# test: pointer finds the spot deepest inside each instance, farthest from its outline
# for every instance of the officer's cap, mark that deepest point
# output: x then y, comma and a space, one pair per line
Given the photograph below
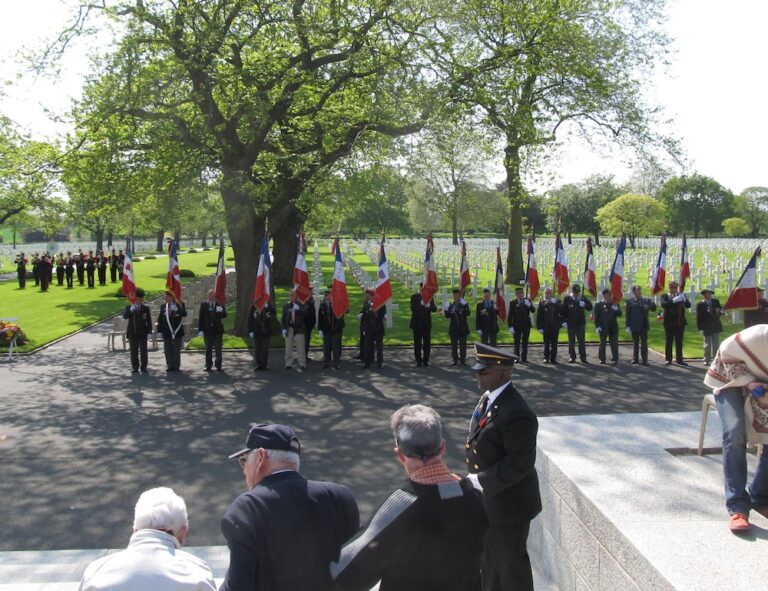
277, 437
487, 356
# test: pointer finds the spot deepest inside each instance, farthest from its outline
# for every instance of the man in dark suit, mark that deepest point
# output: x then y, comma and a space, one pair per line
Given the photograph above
501, 453
674, 305
69, 270
519, 321
260, 330
80, 267
487, 319
331, 331
170, 325
293, 328
21, 270
284, 532
421, 325
457, 313
139, 328
429, 533
575, 308
549, 320
637, 309
708, 312
211, 328
113, 266
606, 314
373, 325
90, 269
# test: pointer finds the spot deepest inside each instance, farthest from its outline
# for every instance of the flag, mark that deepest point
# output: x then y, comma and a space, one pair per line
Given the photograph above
745, 295
685, 268
430, 274
220, 284
173, 279
262, 292
590, 280
382, 291
498, 288
129, 285
464, 277
531, 274
617, 271
300, 274
660, 270
339, 286
560, 272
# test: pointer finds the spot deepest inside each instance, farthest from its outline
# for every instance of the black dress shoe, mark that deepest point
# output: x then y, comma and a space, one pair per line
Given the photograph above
634, 362
667, 363
585, 362
419, 364
425, 364
572, 360
682, 363
206, 369
325, 366
455, 363
219, 369
645, 363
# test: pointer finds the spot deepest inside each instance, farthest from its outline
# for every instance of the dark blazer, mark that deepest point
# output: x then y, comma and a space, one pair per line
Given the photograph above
708, 316
425, 537
284, 533
372, 321
260, 322
501, 449
485, 319
574, 314
550, 315
327, 321
139, 322
674, 313
210, 321
637, 313
176, 321
606, 317
421, 316
457, 313
298, 325
310, 319
519, 316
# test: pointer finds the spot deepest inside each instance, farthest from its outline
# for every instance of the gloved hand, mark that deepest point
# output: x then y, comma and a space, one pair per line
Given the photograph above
629, 330
200, 333
541, 330
582, 303
219, 309
599, 330
527, 302
250, 334
360, 316
320, 332
285, 334
615, 307
678, 298
475, 481
701, 332
564, 325
479, 332
511, 330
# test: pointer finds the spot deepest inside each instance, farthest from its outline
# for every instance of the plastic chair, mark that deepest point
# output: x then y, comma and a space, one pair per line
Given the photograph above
709, 402
119, 326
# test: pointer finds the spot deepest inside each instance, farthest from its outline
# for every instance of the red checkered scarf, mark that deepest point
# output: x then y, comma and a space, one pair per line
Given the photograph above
433, 474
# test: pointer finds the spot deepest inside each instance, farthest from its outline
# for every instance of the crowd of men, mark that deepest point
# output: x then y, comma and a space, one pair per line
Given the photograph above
437, 530
87, 268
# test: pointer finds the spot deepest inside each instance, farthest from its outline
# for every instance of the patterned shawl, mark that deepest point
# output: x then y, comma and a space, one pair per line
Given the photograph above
741, 359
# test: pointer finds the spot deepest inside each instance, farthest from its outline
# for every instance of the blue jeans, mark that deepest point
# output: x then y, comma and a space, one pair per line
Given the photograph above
730, 406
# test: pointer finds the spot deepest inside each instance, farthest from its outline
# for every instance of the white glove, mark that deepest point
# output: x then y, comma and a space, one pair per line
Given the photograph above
200, 333
527, 302
219, 309
629, 330
565, 325
581, 303
599, 330
511, 330
701, 332
134, 307
285, 334
250, 334
174, 307
360, 316
553, 300
475, 481
320, 332
479, 332
678, 298
541, 330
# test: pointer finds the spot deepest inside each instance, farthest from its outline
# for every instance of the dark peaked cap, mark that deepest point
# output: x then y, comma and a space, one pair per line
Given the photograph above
487, 356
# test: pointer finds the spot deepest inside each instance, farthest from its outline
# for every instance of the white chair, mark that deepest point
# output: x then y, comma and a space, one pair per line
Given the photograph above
708, 402
119, 326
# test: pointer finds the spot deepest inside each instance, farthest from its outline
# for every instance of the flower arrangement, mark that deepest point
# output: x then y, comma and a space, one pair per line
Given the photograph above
9, 330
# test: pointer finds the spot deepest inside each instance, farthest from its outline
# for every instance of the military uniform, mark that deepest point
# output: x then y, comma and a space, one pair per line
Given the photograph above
21, 271
637, 322
80, 268
169, 323
139, 328
519, 319
575, 307
674, 325
60, 270
549, 320
69, 271
487, 322
608, 328
90, 269
210, 324
260, 329
458, 328
708, 314
333, 331
421, 325
372, 322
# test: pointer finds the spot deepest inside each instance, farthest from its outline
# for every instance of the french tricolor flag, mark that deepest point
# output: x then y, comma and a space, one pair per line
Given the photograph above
339, 286
685, 267
300, 274
531, 274
560, 272
590, 280
382, 291
464, 277
173, 279
129, 285
745, 295
430, 274
262, 291
660, 270
220, 284
617, 271
498, 288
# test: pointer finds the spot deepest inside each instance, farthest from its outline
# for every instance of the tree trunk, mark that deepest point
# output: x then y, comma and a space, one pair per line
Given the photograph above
515, 272
285, 222
632, 241
204, 242
160, 235
109, 239
99, 240
455, 219
177, 236
597, 238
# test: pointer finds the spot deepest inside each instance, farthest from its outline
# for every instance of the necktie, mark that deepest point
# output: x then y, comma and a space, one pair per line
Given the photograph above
479, 411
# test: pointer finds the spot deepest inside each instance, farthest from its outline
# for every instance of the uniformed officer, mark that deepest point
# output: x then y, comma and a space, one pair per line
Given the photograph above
421, 324
637, 323
139, 328
211, 328
708, 312
606, 314
549, 320
519, 320
457, 313
575, 307
501, 456
373, 327
674, 305
21, 270
487, 319
331, 331
260, 330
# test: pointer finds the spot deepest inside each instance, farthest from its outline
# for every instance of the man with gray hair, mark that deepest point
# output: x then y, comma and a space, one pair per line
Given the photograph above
428, 535
153, 559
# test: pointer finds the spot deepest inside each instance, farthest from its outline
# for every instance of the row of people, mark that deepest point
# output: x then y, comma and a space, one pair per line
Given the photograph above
87, 267
437, 530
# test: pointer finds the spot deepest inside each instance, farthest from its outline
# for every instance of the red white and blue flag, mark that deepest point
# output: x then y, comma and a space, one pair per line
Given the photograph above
464, 277
590, 279
340, 299
129, 284
745, 295
430, 274
220, 284
560, 272
660, 270
685, 268
382, 290
531, 274
173, 279
300, 275
498, 288
263, 290
617, 270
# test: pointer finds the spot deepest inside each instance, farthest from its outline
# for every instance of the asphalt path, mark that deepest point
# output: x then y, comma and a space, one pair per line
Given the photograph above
81, 437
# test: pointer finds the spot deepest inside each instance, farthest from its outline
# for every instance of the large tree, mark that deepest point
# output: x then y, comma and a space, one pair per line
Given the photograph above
531, 67
696, 203
633, 215
752, 205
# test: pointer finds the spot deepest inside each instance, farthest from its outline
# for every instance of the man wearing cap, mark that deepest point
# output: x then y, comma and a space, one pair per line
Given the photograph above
501, 453
607, 326
519, 321
760, 314
260, 330
549, 320
575, 307
487, 319
708, 313
139, 328
457, 313
674, 305
372, 324
637, 325
421, 324
211, 328
169, 324
429, 533
294, 329
284, 532
331, 331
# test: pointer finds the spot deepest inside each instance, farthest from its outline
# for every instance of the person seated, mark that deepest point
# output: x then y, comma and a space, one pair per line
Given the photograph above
153, 559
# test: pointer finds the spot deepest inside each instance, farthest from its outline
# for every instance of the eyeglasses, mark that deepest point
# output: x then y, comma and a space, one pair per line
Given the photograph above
243, 459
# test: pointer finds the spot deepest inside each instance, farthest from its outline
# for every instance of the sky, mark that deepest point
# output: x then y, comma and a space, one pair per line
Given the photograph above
714, 91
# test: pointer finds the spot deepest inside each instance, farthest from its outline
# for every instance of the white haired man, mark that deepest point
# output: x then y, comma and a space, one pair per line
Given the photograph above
152, 559
429, 533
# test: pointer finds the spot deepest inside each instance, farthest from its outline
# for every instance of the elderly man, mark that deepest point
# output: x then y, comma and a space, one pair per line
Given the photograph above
674, 305
606, 314
138, 330
708, 313
153, 559
211, 328
487, 319
293, 326
501, 453
429, 532
575, 308
285, 530
170, 325
637, 323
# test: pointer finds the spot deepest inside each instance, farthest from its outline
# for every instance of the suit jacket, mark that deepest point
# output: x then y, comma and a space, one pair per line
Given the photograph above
457, 313
674, 313
295, 321
421, 315
501, 450
210, 322
260, 322
574, 314
310, 319
284, 533
485, 319
550, 315
327, 321
606, 317
708, 316
139, 322
175, 329
519, 316
637, 313
372, 321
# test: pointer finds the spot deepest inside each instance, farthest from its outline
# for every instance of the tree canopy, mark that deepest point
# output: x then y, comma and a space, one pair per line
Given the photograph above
696, 203
633, 215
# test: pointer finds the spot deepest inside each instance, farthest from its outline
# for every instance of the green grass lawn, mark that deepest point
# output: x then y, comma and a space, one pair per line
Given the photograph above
47, 316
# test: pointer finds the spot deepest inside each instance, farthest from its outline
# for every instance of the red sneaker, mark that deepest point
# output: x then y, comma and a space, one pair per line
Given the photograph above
740, 523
